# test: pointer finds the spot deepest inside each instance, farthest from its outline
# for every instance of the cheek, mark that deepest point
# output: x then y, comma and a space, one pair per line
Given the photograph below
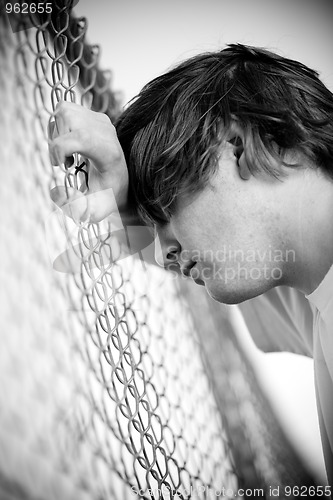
236, 280
218, 222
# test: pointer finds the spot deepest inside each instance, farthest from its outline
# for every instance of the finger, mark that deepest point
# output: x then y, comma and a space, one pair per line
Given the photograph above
64, 146
72, 202
61, 117
69, 116
58, 126
77, 141
53, 134
51, 126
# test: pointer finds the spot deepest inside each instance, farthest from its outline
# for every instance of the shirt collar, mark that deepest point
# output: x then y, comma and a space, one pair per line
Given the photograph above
323, 294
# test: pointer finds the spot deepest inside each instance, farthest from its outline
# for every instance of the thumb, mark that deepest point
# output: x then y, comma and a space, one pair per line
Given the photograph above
73, 203
80, 207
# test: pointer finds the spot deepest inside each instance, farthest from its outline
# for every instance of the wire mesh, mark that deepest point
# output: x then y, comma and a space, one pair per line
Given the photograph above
105, 394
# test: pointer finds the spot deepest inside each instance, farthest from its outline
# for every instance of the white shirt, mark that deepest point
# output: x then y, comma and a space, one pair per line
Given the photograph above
283, 319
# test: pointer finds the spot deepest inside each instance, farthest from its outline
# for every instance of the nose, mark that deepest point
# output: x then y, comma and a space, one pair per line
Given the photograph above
167, 248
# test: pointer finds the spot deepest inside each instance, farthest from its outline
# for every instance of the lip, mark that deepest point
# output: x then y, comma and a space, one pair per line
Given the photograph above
196, 278
186, 270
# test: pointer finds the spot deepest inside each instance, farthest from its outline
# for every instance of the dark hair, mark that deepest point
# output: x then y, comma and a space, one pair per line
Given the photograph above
172, 131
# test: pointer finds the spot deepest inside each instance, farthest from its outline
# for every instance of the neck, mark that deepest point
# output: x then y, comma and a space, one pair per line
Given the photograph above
310, 230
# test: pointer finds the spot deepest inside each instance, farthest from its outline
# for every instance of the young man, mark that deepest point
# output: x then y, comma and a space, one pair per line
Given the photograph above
230, 156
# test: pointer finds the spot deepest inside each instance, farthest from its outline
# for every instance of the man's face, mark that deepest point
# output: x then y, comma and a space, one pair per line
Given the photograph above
230, 236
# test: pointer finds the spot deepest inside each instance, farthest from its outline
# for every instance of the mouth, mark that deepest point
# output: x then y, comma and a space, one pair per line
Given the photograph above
186, 270
194, 273
190, 271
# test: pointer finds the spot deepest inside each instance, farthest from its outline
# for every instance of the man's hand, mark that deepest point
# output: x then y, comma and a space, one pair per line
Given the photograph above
79, 130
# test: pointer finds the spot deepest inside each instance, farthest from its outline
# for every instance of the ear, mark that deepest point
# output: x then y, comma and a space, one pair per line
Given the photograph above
236, 140
243, 166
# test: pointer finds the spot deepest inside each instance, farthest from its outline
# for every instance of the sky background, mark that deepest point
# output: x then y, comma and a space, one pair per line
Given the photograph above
141, 39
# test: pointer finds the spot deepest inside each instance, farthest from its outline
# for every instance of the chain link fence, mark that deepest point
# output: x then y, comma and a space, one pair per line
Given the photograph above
107, 392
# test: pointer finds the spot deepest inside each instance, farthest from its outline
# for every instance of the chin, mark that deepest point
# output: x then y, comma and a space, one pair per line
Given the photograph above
232, 296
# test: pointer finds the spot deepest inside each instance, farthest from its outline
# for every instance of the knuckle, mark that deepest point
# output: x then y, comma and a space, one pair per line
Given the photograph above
63, 109
100, 117
119, 154
106, 119
61, 105
112, 127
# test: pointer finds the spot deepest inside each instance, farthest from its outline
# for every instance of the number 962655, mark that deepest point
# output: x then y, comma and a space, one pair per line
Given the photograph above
29, 8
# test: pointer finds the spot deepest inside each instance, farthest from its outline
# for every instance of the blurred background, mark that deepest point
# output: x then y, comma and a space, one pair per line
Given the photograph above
140, 39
